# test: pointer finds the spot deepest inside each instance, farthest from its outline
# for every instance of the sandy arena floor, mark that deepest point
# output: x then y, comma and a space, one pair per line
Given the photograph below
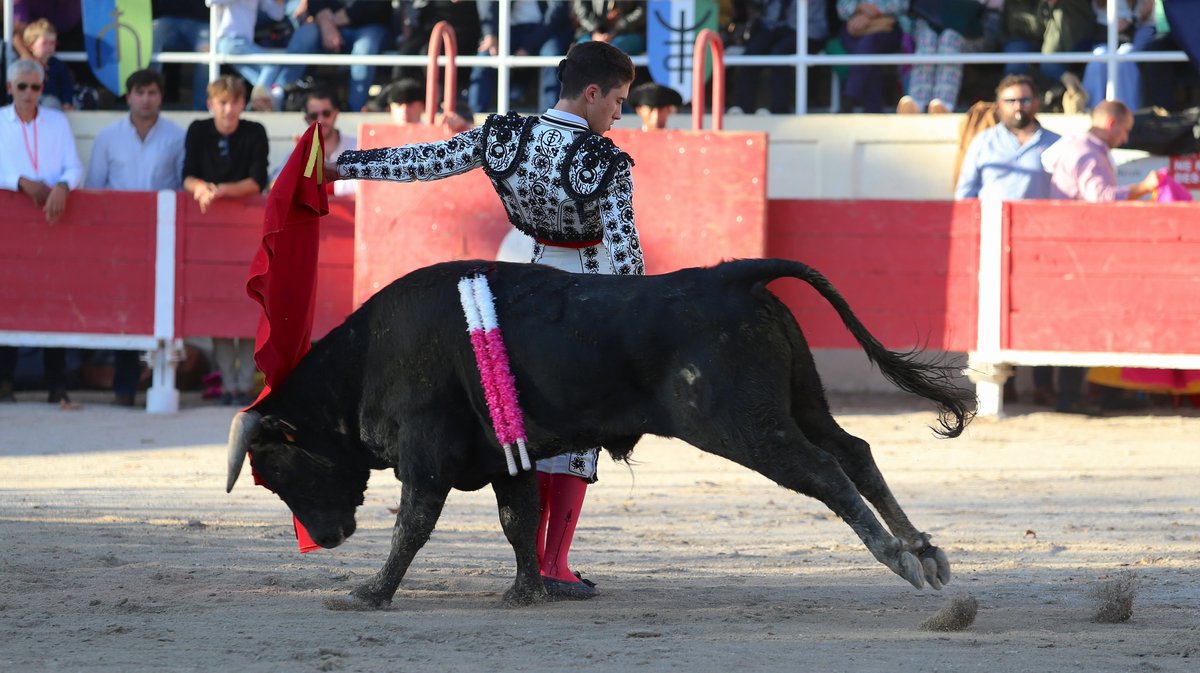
121, 552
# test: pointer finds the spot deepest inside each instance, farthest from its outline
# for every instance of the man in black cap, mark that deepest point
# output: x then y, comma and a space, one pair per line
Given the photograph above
654, 104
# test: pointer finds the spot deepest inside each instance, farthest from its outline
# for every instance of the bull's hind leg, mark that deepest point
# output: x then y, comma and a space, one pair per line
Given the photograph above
517, 499
854, 457
420, 507
789, 459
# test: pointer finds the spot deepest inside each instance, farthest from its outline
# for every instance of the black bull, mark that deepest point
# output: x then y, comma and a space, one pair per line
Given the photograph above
706, 355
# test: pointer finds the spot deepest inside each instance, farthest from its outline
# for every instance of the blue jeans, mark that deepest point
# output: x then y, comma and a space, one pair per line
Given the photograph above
177, 33
255, 73
481, 95
363, 41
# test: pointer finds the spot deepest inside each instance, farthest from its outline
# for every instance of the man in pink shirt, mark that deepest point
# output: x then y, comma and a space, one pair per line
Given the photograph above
1081, 168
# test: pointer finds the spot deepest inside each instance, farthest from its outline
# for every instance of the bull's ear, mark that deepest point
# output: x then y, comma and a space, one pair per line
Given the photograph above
281, 426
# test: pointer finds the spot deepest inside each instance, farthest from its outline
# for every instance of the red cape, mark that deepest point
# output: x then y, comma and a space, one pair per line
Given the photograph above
283, 275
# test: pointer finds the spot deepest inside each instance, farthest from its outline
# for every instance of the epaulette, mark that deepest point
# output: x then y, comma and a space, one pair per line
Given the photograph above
591, 161
503, 139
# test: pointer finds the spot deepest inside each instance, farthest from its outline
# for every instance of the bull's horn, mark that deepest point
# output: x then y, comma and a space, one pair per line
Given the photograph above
244, 425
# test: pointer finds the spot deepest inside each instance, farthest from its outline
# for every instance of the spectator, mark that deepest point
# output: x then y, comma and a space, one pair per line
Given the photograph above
1004, 162
621, 23
934, 88
1081, 169
358, 27
235, 35
321, 106
870, 28
42, 40
226, 157
1162, 79
1135, 31
40, 161
539, 28
66, 17
405, 101
182, 25
654, 104
773, 32
140, 152
417, 19
1050, 26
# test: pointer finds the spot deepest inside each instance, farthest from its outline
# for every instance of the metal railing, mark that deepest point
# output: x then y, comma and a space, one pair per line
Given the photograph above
504, 61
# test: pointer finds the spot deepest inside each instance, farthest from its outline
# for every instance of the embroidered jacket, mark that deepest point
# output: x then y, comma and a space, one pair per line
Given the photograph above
558, 181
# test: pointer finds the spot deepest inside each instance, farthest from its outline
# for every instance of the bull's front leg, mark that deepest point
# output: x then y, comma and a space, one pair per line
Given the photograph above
517, 500
420, 507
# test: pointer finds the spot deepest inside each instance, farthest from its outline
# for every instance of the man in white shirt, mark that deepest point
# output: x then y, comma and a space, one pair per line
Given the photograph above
40, 161
142, 152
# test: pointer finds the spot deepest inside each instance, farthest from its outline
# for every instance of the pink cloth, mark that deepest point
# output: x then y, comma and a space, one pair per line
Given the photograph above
1082, 169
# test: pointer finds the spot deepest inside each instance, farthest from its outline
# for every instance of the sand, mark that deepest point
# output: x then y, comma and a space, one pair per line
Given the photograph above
120, 551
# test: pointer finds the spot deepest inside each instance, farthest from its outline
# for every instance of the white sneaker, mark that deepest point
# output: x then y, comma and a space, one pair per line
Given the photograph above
762, 111
735, 110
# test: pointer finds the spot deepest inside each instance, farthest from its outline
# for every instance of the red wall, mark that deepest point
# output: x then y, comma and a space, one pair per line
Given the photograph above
1103, 277
909, 269
91, 272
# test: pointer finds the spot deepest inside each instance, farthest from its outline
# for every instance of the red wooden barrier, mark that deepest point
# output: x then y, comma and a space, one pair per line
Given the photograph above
908, 268
213, 253
699, 197
92, 272
1121, 277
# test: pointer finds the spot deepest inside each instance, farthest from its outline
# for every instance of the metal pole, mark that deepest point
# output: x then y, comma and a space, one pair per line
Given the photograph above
9, 53
1110, 86
503, 51
214, 67
802, 52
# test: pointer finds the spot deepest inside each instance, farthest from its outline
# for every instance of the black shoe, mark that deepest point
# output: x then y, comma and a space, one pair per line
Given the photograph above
123, 400
58, 396
6, 392
579, 591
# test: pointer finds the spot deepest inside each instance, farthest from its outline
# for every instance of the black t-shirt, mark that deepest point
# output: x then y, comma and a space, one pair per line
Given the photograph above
212, 157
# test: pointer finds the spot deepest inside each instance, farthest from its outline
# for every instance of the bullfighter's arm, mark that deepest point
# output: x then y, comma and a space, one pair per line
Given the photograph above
620, 233
419, 161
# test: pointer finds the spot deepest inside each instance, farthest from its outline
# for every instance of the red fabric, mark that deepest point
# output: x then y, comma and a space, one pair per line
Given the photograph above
283, 274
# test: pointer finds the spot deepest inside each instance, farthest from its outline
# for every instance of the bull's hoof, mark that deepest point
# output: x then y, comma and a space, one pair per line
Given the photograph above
358, 600
908, 567
519, 596
936, 567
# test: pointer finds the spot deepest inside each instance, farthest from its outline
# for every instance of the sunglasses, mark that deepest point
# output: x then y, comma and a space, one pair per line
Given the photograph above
223, 147
323, 114
1024, 100
21, 86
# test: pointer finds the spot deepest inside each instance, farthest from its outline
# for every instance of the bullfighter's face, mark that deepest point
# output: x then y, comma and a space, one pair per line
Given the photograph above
322, 488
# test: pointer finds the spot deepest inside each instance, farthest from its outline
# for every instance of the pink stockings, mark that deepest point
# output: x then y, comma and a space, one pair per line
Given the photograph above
560, 500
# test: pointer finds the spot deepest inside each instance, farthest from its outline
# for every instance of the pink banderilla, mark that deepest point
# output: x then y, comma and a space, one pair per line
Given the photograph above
491, 357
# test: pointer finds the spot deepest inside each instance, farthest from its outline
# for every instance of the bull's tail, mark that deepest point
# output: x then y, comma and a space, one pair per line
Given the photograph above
929, 379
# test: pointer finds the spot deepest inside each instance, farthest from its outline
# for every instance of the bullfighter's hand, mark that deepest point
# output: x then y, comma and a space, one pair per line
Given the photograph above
332, 174
56, 203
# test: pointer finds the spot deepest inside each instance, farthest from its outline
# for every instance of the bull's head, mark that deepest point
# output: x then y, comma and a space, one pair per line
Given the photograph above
312, 475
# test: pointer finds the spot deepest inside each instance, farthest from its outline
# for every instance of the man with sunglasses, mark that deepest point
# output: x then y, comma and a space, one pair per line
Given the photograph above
139, 152
40, 161
1005, 161
321, 106
225, 157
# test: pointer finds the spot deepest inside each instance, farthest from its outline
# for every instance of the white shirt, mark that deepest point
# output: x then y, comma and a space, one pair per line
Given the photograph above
345, 142
122, 160
42, 150
239, 16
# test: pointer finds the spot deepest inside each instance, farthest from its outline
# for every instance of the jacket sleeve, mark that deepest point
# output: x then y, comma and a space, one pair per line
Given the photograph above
487, 17
620, 234
419, 161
